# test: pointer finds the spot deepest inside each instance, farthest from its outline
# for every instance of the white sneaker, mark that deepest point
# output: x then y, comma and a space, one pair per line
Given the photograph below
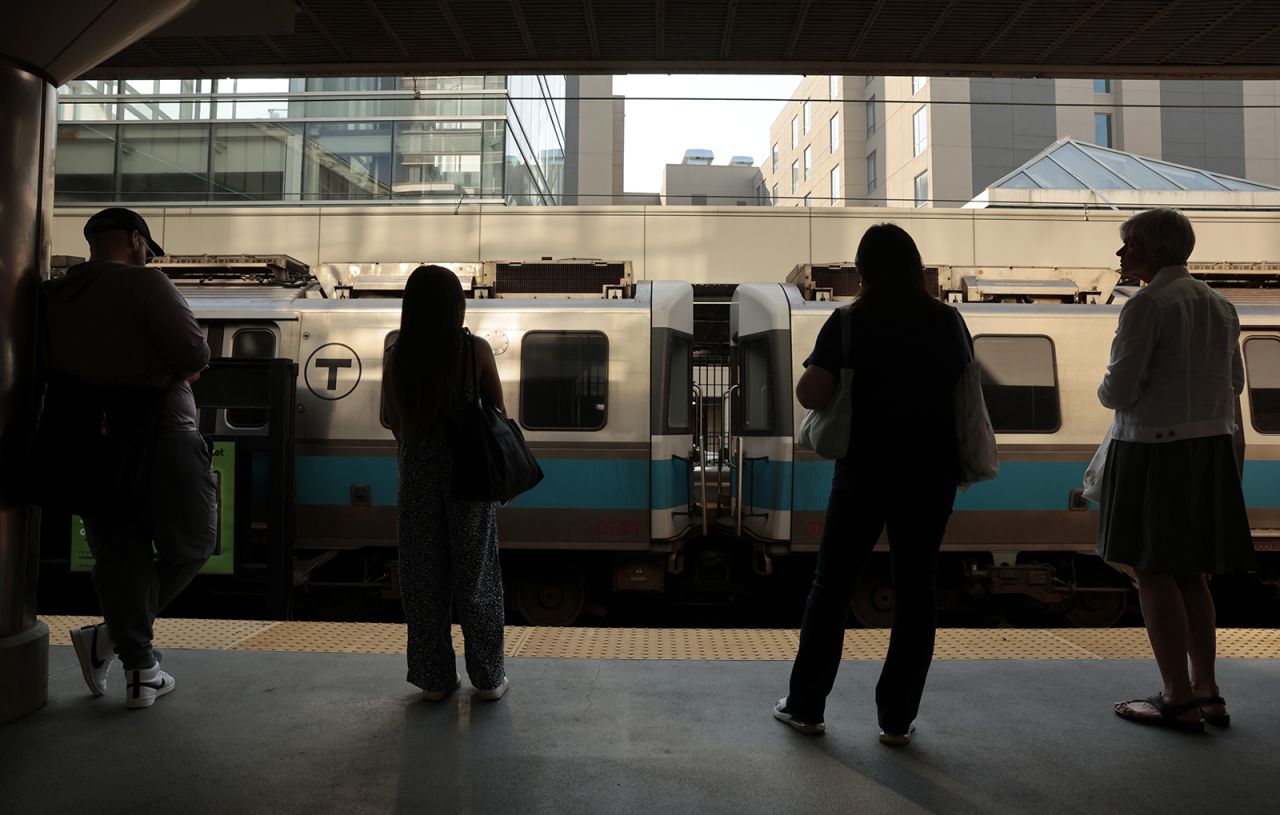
437, 695
95, 651
783, 714
146, 686
897, 739
493, 694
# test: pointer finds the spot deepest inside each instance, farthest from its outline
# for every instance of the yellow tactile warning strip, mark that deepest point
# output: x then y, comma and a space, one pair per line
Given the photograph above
676, 643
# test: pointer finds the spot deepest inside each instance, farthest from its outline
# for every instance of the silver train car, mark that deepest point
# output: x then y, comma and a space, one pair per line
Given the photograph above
659, 444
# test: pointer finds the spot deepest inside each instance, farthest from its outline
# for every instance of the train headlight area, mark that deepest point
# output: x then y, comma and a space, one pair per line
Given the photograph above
298, 717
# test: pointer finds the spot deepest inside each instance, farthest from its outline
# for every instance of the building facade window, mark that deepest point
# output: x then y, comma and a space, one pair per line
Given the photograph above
833, 88
808, 117
795, 132
806, 200
808, 162
871, 172
922, 189
870, 107
795, 177
1102, 86
312, 140
920, 131
1102, 129
774, 154
918, 82
835, 133
774, 192
867, 80
835, 186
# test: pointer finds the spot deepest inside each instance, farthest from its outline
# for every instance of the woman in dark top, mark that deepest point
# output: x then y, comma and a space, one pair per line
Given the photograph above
448, 547
907, 351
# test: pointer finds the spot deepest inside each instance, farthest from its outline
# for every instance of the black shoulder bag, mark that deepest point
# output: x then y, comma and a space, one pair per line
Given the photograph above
491, 461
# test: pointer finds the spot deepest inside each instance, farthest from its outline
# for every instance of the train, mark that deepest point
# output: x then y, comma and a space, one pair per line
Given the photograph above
664, 417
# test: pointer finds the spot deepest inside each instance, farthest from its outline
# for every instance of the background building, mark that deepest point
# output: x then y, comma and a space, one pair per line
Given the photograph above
491, 139
698, 181
921, 141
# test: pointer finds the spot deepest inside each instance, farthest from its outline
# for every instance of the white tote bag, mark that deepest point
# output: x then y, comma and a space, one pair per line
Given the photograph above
827, 431
979, 458
1097, 468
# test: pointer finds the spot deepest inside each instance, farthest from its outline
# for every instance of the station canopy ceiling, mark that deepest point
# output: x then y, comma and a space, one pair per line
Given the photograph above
1060, 38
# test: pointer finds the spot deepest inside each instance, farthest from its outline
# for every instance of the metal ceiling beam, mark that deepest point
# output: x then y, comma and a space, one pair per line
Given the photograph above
455, 29
797, 25
660, 29
1206, 29
727, 36
934, 29
866, 29
593, 36
1004, 29
324, 31
1071, 29
387, 29
1253, 43
1140, 30
517, 13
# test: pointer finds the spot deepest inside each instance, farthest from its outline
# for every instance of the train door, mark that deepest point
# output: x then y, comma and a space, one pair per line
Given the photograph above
675, 509
759, 402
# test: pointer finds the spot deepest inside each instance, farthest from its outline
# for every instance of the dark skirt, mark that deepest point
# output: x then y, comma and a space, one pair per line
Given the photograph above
1175, 508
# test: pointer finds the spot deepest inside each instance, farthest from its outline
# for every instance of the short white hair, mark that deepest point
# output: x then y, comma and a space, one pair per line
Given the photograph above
1166, 233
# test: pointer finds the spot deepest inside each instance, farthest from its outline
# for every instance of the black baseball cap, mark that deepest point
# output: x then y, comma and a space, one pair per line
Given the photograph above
119, 218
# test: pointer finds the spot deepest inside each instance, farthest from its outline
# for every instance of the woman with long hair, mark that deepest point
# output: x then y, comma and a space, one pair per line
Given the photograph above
907, 351
448, 547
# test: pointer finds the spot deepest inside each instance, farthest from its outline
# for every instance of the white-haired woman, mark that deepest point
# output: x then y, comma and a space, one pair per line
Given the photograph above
1172, 506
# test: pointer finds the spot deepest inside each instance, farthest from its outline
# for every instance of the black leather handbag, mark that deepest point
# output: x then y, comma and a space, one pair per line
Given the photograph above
491, 461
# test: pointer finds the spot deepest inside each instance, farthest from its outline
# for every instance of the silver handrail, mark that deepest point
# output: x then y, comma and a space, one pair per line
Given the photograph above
737, 509
728, 431
702, 452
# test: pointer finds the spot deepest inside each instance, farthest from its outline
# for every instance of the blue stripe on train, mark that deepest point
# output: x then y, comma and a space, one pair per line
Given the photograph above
569, 483
1029, 485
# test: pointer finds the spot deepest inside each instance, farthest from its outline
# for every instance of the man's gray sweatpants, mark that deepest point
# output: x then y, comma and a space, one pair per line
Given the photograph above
134, 582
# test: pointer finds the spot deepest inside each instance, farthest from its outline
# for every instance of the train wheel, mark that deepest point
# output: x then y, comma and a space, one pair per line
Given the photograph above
551, 596
872, 603
1096, 609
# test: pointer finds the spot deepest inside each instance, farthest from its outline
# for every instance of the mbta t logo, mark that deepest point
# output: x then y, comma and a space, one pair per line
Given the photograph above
332, 371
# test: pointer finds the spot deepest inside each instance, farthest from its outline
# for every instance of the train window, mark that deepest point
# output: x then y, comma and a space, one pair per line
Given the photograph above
1019, 382
382, 402
251, 343
679, 384
1262, 359
757, 385
564, 380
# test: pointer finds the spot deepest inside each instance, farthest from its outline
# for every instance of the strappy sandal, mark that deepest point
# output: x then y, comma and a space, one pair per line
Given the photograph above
1168, 714
1215, 719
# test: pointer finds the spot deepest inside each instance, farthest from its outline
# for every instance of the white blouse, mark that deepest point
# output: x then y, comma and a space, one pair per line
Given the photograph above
1175, 369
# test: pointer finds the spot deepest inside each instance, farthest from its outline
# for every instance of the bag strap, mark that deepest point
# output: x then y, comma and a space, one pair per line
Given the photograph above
846, 334
469, 347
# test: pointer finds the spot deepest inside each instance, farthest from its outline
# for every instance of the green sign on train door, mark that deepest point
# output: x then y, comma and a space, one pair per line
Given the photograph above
223, 560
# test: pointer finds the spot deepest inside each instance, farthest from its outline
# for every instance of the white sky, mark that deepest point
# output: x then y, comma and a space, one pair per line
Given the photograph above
659, 132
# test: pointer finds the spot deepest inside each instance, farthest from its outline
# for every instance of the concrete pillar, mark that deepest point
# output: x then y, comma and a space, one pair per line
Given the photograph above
26, 208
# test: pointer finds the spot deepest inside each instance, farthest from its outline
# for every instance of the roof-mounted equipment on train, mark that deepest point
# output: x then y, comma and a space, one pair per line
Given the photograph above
237, 270
841, 281
361, 281
573, 278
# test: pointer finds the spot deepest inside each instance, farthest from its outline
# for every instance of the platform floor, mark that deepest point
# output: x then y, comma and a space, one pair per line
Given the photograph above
281, 732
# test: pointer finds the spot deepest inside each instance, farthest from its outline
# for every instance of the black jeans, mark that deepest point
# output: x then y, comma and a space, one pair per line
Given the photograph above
915, 514
145, 556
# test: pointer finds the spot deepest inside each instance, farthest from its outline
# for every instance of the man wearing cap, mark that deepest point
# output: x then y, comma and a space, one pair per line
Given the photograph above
113, 322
